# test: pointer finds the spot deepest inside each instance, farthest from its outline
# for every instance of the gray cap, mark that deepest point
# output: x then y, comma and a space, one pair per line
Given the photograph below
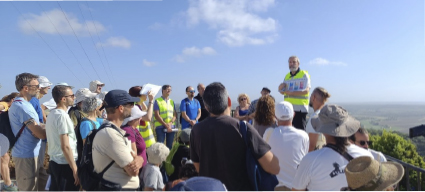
185, 135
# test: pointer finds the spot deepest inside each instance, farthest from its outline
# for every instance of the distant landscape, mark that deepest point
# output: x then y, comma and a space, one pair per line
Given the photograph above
397, 117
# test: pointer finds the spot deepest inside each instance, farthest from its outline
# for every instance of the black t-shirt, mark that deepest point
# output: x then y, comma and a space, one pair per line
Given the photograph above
204, 112
218, 147
182, 151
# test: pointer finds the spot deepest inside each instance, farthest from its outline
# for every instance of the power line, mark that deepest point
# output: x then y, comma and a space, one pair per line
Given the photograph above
107, 61
94, 44
65, 42
79, 41
46, 43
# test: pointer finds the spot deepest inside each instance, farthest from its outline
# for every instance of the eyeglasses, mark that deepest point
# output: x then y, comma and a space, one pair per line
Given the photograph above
36, 86
243, 99
72, 96
191, 91
364, 143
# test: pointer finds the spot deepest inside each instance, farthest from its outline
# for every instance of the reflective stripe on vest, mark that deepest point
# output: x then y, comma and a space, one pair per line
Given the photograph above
302, 100
147, 134
166, 111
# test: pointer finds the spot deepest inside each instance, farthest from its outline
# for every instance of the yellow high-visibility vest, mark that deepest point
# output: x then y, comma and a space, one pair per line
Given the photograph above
147, 133
302, 100
166, 110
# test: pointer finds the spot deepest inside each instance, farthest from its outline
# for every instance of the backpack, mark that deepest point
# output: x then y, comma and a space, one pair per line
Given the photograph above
6, 129
89, 179
80, 138
260, 180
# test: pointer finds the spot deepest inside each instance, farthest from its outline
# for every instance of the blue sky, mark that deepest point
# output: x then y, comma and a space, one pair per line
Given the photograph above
360, 51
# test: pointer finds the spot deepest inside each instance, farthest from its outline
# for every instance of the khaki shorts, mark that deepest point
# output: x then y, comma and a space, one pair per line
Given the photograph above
26, 170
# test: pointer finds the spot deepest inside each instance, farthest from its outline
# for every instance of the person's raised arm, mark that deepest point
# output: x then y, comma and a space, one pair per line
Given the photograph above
149, 108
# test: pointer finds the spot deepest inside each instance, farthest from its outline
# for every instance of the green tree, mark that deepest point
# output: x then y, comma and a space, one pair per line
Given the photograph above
396, 146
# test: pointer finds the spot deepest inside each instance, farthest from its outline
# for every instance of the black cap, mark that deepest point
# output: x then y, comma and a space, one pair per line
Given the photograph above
117, 97
266, 89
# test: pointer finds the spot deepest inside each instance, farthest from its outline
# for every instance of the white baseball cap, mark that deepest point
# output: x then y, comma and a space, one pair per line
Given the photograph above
284, 111
135, 114
83, 93
44, 82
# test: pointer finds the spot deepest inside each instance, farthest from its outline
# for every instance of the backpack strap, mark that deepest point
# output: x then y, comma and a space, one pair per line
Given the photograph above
106, 168
345, 154
113, 127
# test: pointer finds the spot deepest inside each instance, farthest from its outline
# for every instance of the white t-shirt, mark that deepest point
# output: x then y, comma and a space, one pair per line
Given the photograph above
378, 155
309, 127
290, 145
58, 123
323, 170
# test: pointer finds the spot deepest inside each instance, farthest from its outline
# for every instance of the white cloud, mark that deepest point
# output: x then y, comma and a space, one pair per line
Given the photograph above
236, 21
324, 62
116, 42
43, 24
148, 63
193, 52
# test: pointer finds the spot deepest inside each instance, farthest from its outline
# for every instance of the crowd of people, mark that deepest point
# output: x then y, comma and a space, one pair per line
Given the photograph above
134, 143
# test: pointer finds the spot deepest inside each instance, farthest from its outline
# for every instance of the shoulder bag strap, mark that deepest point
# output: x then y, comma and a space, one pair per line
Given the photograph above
106, 168
345, 154
23, 126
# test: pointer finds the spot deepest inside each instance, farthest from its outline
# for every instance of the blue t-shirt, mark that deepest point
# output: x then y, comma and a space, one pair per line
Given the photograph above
27, 145
86, 127
36, 104
191, 108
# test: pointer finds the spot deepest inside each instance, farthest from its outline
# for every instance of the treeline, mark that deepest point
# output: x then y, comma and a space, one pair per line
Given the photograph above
399, 146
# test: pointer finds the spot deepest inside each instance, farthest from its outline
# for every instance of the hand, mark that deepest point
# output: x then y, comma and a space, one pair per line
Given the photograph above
137, 163
76, 180
150, 95
192, 122
281, 86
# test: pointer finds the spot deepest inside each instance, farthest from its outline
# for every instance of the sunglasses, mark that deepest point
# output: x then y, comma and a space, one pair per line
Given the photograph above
36, 86
364, 143
72, 96
192, 91
243, 99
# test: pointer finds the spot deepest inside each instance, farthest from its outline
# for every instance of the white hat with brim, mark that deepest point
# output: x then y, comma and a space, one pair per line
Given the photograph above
334, 120
65, 84
367, 174
136, 113
44, 82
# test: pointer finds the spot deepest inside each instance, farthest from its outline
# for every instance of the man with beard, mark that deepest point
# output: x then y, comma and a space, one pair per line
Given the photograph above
62, 142
296, 88
317, 100
25, 124
110, 144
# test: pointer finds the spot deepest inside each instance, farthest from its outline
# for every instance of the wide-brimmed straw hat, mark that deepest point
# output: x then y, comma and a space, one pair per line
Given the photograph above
367, 174
335, 121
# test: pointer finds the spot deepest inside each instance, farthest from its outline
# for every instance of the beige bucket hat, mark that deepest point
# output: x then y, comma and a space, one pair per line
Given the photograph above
335, 121
367, 174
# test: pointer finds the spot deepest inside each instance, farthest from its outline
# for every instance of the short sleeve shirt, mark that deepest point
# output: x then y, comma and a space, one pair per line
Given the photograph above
86, 127
58, 123
152, 177
27, 145
110, 145
135, 137
323, 170
191, 108
214, 139
309, 127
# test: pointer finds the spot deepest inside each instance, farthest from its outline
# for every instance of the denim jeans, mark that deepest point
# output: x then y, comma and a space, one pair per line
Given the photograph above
161, 135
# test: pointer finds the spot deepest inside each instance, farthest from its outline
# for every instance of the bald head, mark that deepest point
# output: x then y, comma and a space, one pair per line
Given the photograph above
201, 89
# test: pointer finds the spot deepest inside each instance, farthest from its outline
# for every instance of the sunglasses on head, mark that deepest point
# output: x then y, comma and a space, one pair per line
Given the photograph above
364, 142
